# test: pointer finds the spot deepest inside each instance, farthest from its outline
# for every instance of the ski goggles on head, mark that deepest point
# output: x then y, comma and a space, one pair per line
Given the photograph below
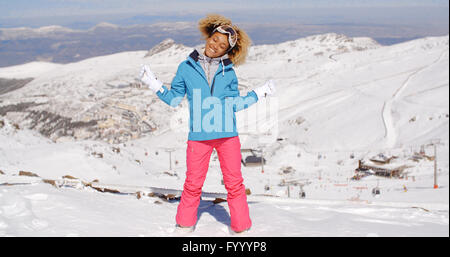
232, 35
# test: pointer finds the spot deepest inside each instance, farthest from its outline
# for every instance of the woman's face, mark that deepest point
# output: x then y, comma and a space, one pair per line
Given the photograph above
217, 45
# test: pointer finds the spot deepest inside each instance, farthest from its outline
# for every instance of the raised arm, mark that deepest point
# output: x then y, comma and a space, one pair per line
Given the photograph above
172, 97
243, 102
175, 95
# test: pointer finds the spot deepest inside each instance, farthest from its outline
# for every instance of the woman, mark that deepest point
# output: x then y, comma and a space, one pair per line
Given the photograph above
210, 83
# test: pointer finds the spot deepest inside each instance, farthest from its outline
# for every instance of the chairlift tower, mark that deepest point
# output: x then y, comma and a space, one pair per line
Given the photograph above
376, 191
261, 150
434, 143
435, 166
170, 150
302, 193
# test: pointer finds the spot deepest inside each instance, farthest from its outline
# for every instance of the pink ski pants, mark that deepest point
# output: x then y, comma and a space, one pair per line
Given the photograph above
198, 154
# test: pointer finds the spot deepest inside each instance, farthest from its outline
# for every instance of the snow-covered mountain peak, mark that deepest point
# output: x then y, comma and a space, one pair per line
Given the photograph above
329, 38
428, 43
52, 29
164, 45
358, 43
167, 52
104, 25
26, 32
323, 45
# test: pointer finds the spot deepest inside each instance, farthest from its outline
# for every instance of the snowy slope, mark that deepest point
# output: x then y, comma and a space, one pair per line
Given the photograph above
28, 70
338, 100
41, 210
319, 78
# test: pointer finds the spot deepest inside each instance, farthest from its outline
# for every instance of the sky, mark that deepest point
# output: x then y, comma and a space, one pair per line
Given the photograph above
45, 8
84, 14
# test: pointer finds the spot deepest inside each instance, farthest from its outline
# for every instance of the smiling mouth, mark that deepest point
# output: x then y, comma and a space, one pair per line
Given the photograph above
210, 49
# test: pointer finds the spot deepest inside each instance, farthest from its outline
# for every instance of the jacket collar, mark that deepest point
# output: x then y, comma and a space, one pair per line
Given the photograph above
202, 56
195, 56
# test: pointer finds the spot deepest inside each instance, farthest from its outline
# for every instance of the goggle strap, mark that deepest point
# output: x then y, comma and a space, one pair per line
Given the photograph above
230, 40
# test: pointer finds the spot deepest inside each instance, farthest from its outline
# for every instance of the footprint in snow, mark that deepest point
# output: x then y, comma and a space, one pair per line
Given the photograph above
3, 224
39, 224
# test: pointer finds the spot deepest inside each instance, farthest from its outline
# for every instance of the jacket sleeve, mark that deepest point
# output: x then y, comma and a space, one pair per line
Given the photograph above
175, 95
243, 102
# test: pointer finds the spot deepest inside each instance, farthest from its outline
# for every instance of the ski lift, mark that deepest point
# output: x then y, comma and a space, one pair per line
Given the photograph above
253, 161
376, 191
301, 193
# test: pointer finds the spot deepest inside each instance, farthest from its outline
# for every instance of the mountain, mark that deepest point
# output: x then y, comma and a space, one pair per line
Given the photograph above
341, 103
324, 81
63, 45
23, 33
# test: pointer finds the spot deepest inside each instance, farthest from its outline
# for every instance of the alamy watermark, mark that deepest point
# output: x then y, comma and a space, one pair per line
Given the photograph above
212, 114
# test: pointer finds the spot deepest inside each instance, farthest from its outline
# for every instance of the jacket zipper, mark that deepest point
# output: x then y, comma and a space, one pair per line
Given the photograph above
214, 79
204, 76
212, 86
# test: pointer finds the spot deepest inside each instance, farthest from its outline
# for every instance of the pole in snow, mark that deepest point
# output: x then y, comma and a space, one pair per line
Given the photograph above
435, 167
170, 150
262, 161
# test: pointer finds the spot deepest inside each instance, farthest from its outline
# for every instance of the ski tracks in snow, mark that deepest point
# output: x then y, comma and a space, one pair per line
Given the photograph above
390, 134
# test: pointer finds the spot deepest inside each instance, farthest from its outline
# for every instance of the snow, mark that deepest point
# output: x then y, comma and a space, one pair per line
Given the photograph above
338, 100
26, 211
28, 70
104, 25
26, 32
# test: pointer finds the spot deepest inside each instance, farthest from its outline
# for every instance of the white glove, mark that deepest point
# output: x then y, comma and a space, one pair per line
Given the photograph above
267, 89
147, 76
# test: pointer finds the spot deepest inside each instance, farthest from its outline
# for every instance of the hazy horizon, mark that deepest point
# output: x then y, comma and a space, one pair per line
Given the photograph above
83, 14
267, 22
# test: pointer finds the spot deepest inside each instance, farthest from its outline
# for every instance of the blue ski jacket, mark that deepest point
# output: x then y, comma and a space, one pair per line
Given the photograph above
211, 109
